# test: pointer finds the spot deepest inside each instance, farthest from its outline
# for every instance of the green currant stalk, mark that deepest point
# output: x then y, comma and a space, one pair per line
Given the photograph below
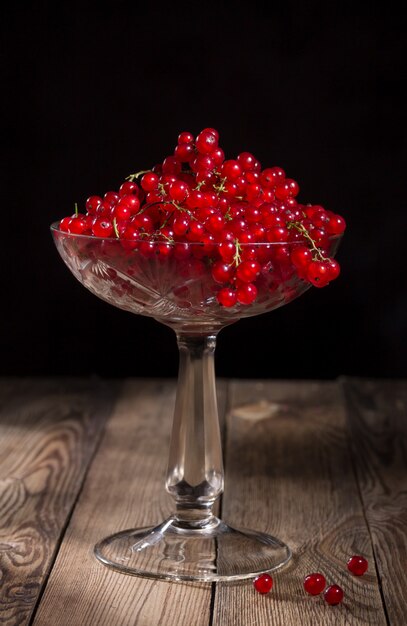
236, 257
183, 209
116, 230
199, 185
221, 187
135, 176
76, 209
166, 237
227, 215
318, 256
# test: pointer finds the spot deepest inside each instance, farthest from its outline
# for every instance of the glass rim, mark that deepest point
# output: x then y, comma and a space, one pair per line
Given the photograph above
55, 228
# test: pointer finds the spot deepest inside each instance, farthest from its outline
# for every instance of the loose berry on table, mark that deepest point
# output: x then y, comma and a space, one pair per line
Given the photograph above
333, 595
314, 583
357, 565
263, 583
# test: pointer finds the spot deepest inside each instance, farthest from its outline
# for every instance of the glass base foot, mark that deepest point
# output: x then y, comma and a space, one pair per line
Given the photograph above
173, 551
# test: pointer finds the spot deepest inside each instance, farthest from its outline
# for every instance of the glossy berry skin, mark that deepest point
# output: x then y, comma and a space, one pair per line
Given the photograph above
149, 181
246, 293
222, 272
92, 203
185, 137
263, 583
357, 565
227, 297
248, 271
318, 273
314, 583
333, 595
206, 142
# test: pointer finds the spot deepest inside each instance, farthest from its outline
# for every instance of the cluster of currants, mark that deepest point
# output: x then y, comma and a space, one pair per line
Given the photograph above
240, 219
315, 583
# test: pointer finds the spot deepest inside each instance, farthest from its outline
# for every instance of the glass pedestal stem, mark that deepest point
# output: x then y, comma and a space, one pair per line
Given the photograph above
195, 469
193, 544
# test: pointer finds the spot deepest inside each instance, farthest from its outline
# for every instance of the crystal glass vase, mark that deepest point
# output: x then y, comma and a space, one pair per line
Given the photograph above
173, 283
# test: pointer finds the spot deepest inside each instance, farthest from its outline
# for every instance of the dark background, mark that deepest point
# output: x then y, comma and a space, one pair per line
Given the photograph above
93, 92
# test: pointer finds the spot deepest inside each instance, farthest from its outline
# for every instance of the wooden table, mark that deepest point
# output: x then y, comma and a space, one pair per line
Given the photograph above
322, 465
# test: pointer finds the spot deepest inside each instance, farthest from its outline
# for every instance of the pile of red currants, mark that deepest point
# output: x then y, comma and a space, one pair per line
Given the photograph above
238, 218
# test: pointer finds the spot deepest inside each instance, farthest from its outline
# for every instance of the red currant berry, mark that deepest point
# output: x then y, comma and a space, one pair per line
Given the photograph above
227, 251
277, 234
185, 137
206, 142
128, 205
143, 222
253, 191
180, 225
272, 176
231, 169
171, 165
202, 162
246, 293
263, 583
334, 269
64, 224
111, 197
102, 227
301, 257
129, 238
195, 200
127, 188
184, 152
288, 189
178, 191
336, 225
92, 203
252, 177
196, 231
121, 212
314, 583
357, 565
333, 595
227, 297
215, 223
78, 225
218, 156
149, 182
248, 271
318, 273
222, 272
247, 161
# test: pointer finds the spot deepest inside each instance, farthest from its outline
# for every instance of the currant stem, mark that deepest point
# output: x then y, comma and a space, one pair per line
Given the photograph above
134, 177
116, 230
237, 257
301, 229
182, 209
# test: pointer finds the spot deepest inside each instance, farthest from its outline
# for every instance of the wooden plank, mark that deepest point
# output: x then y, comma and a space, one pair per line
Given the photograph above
289, 472
377, 416
124, 489
49, 430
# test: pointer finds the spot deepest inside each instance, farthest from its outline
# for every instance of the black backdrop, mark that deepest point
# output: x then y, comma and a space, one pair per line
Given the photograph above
92, 93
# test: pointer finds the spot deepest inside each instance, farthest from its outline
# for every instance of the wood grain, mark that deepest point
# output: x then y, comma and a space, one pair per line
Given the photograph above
377, 419
327, 477
124, 489
49, 430
289, 472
